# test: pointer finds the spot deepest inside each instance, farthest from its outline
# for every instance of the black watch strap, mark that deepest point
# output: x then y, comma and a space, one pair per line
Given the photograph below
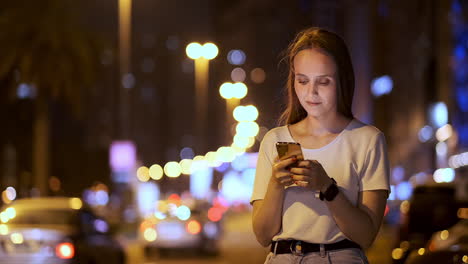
331, 192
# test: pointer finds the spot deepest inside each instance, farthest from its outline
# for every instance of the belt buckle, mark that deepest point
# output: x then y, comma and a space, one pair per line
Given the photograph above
297, 248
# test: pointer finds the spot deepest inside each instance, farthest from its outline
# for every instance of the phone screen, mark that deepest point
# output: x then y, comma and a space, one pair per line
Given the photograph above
289, 149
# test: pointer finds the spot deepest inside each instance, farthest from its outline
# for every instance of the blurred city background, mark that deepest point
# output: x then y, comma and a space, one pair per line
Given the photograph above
151, 113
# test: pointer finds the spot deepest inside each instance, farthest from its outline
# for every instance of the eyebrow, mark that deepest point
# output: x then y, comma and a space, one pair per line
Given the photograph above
323, 75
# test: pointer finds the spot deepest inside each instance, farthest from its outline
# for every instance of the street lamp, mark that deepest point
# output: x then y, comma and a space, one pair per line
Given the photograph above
125, 15
201, 54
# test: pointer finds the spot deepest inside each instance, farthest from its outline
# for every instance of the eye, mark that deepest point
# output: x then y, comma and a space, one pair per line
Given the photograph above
324, 81
302, 81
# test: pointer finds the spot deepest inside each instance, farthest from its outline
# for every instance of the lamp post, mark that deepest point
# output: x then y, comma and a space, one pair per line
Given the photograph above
125, 10
201, 55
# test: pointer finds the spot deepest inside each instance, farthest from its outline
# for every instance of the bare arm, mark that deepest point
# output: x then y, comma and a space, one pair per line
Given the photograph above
362, 223
267, 213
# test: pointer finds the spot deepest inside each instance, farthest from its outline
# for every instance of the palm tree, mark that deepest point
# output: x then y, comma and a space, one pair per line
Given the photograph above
43, 44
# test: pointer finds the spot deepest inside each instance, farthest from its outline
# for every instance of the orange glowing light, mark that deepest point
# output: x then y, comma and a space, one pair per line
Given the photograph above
193, 227
65, 250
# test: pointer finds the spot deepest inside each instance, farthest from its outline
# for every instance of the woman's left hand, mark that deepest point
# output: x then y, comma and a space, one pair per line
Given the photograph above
310, 174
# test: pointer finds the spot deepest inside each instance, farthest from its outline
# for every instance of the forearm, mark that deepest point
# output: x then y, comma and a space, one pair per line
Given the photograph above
267, 218
354, 222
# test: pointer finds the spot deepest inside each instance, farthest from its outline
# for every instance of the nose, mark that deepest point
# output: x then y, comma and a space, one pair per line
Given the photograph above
313, 88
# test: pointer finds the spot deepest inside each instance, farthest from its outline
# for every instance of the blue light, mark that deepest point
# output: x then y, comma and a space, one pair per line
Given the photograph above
248, 176
183, 212
398, 173
26, 91
392, 195
236, 57
241, 162
382, 85
438, 114
223, 167
456, 8
187, 153
444, 175
210, 229
147, 196
460, 52
200, 181
232, 187
404, 190
425, 133
462, 99
101, 226
102, 198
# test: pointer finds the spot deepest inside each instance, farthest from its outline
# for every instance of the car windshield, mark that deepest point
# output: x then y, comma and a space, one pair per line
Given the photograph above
44, 217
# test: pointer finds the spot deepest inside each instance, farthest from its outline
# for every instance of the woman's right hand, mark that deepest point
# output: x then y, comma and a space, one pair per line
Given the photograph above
280, 171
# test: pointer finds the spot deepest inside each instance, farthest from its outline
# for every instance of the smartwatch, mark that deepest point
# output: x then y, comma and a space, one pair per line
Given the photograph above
331, 192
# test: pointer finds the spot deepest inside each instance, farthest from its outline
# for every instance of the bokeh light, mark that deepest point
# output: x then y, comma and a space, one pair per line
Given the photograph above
381, 85
194, 50
238, 74
76, 203
240, 90
236, 57
209, 51
143, 174
444, 175
185, 166
247, 129
156, 172
172, 169
187, 153
245, 113
258, 75
226, 90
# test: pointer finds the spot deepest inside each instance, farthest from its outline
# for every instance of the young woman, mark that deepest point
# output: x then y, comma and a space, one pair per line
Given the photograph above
328, 207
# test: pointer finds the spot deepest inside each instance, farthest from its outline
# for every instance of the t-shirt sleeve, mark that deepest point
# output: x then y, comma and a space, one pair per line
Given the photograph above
263, 169
376, 171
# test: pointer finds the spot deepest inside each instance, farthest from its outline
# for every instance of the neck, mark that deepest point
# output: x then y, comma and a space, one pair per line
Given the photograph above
326, 125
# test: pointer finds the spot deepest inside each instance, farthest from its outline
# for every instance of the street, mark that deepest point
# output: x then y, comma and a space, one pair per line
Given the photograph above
239, 246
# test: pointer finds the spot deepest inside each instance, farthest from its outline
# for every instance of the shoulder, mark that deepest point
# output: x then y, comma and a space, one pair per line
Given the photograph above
359, 129
276, 134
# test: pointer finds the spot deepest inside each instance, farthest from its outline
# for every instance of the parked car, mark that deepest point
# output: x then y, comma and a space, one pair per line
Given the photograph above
176, 226
446, 246
55, 230
431, 208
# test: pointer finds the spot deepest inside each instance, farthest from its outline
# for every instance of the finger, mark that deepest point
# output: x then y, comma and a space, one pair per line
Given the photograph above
282, 164
286, 180
296, 177
283, 174
300, 171
303, 163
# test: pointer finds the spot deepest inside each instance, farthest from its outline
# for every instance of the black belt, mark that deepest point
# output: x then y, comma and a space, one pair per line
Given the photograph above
299, 247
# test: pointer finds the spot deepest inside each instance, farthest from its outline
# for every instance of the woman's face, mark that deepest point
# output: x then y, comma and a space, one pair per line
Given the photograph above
315, 82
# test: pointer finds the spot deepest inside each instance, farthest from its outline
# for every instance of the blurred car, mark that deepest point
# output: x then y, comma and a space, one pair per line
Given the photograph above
55, 230
446, 246
431, 208
177, 226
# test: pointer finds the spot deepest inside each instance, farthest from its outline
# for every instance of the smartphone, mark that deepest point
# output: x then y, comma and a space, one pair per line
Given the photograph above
289, 149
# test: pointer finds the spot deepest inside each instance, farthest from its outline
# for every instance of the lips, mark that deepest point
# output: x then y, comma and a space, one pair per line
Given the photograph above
313, 103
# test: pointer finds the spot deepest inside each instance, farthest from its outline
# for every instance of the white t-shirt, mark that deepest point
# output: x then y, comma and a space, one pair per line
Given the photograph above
356, 159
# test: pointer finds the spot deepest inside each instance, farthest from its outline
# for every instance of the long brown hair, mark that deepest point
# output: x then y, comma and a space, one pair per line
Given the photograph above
334, 46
